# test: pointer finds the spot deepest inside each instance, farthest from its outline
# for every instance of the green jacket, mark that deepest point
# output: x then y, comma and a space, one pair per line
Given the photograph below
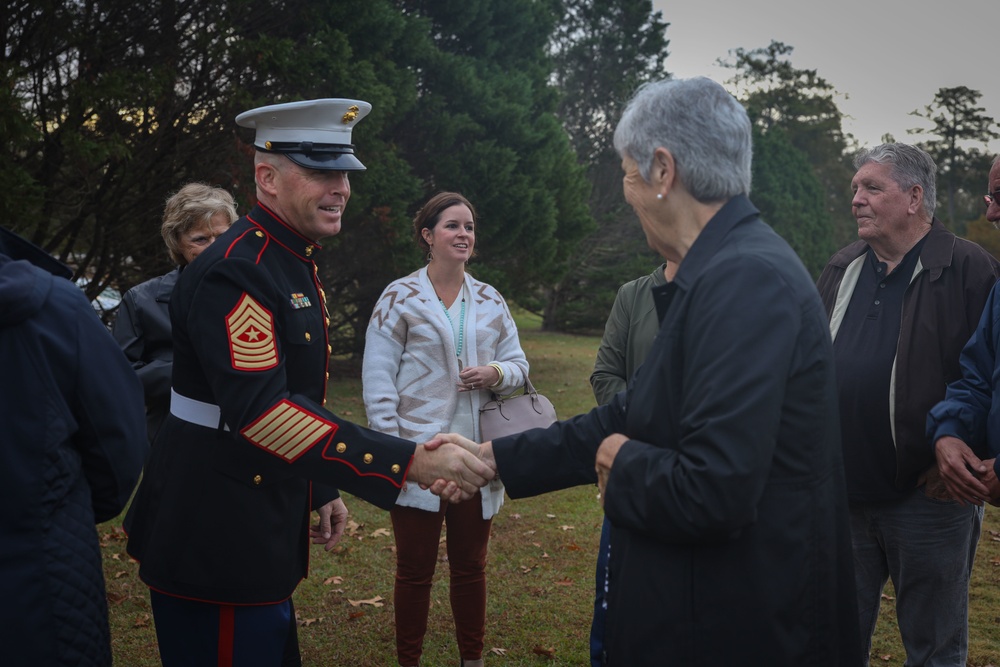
628, 335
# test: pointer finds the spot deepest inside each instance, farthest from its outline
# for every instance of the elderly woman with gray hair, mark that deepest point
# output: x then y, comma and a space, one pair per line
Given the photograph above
720, 465
193, 218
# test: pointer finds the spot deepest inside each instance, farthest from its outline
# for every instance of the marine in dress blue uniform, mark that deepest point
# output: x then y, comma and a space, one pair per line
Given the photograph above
220, 523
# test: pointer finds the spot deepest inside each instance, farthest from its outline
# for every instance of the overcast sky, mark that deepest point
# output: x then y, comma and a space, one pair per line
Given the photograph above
885, 58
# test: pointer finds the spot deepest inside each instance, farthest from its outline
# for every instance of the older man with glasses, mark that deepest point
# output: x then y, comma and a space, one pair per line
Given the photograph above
902, 302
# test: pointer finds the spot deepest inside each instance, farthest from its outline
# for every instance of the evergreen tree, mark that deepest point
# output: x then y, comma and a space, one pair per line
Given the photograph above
962, 129
602, 51
801, 103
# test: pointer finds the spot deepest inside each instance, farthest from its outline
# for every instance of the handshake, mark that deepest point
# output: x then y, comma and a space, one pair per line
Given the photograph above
452, 467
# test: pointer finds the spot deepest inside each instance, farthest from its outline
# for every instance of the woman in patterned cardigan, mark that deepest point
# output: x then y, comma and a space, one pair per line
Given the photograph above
438, 342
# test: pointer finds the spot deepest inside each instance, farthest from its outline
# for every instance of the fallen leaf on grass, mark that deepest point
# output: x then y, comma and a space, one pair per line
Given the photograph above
564, 582
572, 547
336, 579
355, 614
119, 575
141, 621
525, 569
381, 532
515, 515
306, 622
551, 516
498, 651
116, 556
116, 598
567, 527
547, 652
887, 597
376, 601
886, 657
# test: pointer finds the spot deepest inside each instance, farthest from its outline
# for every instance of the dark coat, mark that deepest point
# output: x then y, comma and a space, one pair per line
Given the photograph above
142, 329
730, 542
941, 308
72, 443
222, 513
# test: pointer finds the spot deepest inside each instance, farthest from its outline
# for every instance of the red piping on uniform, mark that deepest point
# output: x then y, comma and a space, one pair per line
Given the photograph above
235, 241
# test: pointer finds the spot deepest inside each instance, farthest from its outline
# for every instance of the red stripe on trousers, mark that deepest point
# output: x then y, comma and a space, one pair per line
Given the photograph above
227, 632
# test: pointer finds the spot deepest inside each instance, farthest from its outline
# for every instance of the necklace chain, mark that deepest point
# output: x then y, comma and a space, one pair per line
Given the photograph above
461, 325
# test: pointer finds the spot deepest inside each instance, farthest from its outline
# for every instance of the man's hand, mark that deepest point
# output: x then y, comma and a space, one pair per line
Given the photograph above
332, 520
961, 469
989, 479
450, 466
606, 454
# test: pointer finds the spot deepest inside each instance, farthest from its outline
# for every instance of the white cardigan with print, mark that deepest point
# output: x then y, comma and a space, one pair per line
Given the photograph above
410, 370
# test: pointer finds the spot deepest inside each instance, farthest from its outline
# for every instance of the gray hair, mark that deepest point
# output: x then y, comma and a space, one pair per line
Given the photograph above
910, 166
192, 206
705, 129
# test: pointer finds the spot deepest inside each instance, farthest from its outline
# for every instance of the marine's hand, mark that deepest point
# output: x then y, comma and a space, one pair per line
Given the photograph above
606, 454
451, 470
960, 470
332, 521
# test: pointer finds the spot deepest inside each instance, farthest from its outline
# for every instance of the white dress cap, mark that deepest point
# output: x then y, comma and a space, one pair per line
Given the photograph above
315, 134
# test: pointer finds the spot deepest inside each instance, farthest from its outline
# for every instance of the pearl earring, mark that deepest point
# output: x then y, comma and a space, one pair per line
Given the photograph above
659, 195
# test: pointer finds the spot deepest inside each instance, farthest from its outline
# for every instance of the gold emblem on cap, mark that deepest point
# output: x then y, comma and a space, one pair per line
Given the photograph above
352, 113
267, 145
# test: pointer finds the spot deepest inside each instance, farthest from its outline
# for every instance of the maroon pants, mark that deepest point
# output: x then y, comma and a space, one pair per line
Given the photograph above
418, 533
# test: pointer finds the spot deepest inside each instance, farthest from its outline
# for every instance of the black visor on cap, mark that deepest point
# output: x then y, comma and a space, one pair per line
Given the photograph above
327, 157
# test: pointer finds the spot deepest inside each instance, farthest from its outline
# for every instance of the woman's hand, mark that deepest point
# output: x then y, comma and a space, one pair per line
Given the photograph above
475, 378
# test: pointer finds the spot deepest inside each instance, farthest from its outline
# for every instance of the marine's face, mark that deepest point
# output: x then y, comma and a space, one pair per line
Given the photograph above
195, 240
312, 201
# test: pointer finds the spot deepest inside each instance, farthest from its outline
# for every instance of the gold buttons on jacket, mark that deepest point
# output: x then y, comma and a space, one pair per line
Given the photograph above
341, 447
369, 458
260, 234
395, 468
257, 479
308, 337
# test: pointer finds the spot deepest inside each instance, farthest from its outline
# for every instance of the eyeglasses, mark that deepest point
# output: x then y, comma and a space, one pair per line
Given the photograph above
992, 198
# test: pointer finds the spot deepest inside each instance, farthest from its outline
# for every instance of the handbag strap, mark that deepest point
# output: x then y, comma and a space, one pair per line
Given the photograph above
529, 389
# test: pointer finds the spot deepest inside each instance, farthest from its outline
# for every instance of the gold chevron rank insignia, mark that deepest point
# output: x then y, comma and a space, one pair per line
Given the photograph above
251, 336
288, 431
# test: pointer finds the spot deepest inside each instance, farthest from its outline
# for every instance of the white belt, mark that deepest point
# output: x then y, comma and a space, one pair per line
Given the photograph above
196, 412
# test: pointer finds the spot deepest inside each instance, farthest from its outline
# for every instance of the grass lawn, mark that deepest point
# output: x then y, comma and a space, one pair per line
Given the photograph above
540, 574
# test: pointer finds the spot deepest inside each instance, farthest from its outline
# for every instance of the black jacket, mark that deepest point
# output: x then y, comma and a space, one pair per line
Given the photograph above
72, 443
730, 542
142, 329
222, 513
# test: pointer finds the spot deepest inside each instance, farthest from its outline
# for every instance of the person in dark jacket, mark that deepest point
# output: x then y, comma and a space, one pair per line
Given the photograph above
720, 466
220, 522
193, 218
628, 336
72, 443
902, 302
964, 428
